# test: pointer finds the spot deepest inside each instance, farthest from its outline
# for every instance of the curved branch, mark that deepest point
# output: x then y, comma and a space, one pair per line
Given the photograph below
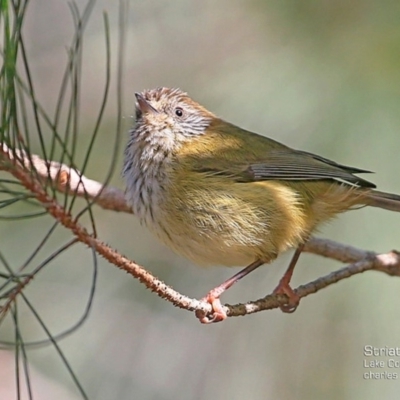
68, 180
388, 263
112, 198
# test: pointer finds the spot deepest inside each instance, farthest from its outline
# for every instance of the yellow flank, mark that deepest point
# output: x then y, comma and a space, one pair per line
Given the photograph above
211, 221
230, 224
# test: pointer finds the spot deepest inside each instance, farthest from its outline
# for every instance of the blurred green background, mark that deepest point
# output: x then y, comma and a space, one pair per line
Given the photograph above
322, 76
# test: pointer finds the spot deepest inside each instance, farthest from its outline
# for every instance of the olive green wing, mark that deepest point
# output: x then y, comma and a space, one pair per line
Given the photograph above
299, 165
283, 164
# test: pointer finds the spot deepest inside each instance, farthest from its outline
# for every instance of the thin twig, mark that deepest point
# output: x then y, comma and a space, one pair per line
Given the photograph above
388, 263
68, 180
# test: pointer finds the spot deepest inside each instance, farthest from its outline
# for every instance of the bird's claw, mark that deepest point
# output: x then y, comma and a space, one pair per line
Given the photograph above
293, 297
218, 314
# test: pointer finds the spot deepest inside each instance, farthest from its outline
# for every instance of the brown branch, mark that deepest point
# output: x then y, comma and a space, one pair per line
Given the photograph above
388, 263
112, 198
69, 180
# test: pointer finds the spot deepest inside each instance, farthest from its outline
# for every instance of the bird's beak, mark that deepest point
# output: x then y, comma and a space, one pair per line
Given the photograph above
144, 106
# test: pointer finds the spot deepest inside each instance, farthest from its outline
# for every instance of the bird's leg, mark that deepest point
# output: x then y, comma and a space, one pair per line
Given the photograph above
213, 295
284, 284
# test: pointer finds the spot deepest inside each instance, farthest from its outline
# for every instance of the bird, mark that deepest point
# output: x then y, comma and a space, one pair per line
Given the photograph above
220, 195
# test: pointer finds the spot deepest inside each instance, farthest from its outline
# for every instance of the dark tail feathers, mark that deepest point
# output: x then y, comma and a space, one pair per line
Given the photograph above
388, 201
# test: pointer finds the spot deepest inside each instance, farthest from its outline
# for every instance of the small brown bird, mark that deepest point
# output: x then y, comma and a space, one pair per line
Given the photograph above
218, 194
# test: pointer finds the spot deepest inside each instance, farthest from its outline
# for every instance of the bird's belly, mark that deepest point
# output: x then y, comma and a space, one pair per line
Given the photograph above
207, 238
207, 249
226, 227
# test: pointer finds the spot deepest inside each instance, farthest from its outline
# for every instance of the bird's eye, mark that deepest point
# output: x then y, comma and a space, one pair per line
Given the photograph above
178, 112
